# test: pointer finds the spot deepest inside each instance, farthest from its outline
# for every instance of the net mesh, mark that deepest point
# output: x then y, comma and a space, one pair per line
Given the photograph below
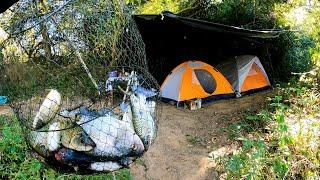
77, 77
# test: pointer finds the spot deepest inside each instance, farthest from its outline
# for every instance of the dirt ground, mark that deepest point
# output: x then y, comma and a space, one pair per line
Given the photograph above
185, 139
6, 110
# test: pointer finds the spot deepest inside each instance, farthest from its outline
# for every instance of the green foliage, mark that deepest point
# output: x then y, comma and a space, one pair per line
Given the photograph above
250, 162
193, 139
251, 123
15, 160
24, 80
289, 149
302, 46
157, 6
293, 51
254, 14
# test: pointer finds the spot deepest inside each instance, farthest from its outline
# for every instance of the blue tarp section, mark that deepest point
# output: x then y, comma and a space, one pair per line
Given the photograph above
3, 99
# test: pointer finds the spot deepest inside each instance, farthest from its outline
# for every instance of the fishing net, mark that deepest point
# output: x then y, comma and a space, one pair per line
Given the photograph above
76, 75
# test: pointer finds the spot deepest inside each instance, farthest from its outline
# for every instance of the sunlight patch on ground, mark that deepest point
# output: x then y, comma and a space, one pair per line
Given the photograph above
305, 131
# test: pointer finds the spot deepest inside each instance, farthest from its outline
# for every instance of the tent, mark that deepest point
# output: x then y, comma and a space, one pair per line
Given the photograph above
245, 73
194, 79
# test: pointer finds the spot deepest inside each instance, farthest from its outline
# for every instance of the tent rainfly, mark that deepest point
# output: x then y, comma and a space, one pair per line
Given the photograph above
245, 73
194, 79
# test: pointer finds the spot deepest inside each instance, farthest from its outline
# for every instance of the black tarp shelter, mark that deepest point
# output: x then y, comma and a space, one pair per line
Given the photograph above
6, 4
171, 39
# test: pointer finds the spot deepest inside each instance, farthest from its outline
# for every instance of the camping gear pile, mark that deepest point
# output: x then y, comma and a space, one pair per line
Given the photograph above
194, 80
96, 139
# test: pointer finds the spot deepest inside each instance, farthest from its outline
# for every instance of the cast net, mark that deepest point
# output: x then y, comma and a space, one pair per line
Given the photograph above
76, 75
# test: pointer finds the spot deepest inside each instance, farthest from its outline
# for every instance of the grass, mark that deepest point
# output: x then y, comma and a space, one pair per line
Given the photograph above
23, 80
281, 141
193, 140
16, 161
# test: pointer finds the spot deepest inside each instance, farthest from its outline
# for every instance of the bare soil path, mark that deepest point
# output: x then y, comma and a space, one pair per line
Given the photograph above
186, 137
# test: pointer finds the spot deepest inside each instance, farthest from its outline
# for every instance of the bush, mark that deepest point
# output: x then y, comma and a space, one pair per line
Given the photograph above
15, 161
287, 144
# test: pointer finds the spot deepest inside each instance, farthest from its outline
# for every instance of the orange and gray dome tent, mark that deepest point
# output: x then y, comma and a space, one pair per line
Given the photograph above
194, 79
245, 73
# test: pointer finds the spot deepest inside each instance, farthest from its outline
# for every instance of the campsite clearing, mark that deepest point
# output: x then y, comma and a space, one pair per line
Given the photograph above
185, 139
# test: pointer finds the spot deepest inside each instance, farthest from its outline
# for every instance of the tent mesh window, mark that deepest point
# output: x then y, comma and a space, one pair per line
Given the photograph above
77, 77
206, 80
